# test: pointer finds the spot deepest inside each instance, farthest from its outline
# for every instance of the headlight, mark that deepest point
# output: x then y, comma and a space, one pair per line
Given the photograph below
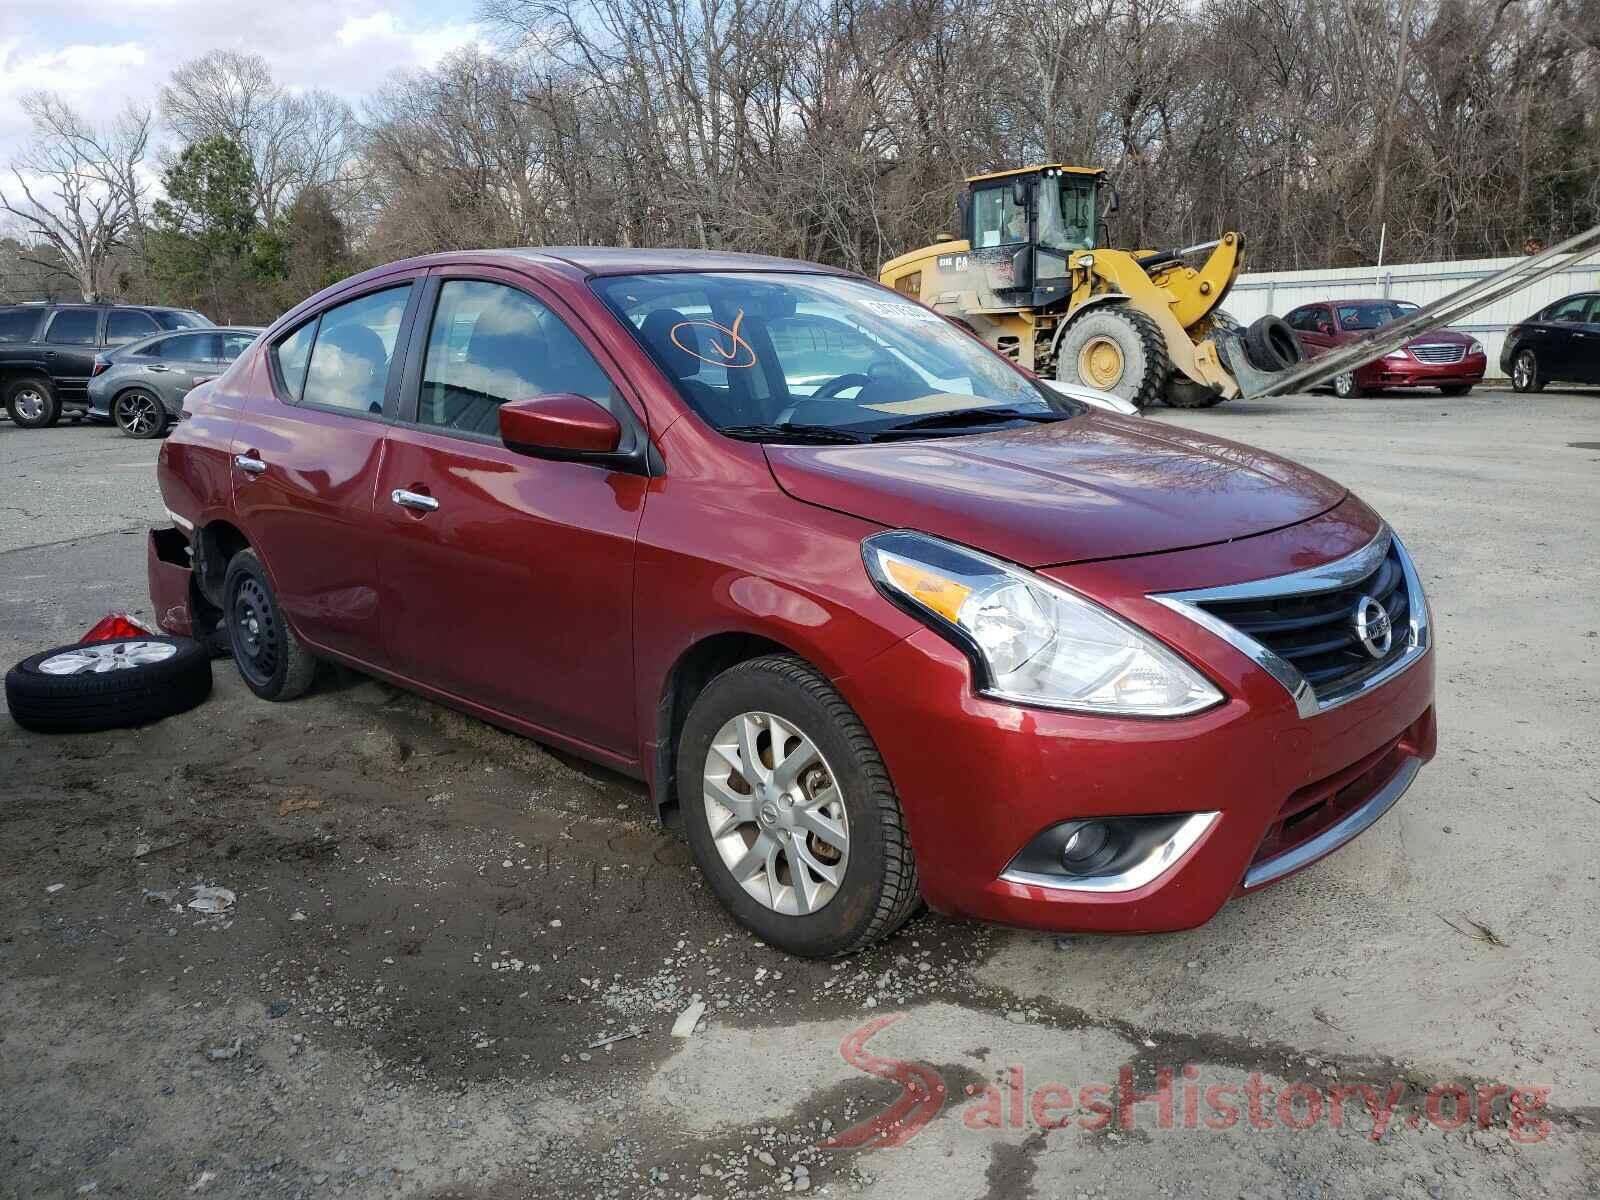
1399, 354
1032, 641
1475, 348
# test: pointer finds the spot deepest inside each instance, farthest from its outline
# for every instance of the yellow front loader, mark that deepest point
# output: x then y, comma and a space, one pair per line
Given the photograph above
1034, 278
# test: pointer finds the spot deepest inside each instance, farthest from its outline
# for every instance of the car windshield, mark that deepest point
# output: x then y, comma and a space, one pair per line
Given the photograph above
776, 355
1373, 314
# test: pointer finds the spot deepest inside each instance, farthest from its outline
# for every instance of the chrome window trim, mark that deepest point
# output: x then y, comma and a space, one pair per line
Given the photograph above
1329, 577
1158, 862
1337, 834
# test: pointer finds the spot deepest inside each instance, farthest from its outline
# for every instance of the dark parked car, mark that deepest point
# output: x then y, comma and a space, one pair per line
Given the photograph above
876, 615
1442, 358
47, 352
1560, 344
141, 386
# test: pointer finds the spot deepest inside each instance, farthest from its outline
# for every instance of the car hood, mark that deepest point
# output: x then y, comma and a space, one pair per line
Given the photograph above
1095, 486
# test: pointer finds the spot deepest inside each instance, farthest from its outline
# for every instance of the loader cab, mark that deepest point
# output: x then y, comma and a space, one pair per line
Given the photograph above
1025, 225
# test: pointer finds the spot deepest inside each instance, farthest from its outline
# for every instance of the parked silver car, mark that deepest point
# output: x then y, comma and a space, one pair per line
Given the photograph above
141, 386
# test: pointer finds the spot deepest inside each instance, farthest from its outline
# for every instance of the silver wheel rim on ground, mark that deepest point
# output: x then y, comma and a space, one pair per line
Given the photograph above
98, 658
1345, 384
30, 404
776, 814
1522, 370
136, 413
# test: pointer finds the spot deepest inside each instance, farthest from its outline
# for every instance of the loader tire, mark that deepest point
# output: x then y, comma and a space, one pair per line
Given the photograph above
1271, 345
1118, 350
1186, 393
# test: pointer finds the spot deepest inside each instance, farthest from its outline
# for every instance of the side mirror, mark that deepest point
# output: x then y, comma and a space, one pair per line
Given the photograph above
560, 425
1019, 193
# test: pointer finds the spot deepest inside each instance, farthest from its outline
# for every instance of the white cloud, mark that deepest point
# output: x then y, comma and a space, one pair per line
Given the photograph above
100, 54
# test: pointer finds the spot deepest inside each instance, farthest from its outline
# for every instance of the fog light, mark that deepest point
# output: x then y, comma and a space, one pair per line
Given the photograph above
1088, 848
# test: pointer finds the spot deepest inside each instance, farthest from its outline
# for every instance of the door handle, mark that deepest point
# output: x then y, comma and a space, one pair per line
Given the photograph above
414, 500
249, 463
157, 367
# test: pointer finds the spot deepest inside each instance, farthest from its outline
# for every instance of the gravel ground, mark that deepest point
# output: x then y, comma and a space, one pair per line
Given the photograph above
438, 928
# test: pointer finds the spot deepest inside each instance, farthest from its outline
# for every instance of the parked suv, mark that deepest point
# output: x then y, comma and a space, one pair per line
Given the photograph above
47, 352
141, 386
1452, 362
876, 615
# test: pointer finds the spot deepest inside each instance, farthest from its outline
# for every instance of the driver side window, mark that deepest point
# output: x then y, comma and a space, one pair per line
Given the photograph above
996, 219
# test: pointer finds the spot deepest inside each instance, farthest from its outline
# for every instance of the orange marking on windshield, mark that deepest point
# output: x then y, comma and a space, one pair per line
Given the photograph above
738, 349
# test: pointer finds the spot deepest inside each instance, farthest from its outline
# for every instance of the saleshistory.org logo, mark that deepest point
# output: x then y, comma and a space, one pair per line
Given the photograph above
1179, 1098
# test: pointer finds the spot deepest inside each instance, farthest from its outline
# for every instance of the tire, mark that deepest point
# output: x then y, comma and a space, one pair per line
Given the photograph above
1118, 350
1525, 373
875, 891
32, 403
126, 681
273, 661
1456, 389
1345, 386
1271, 345
139, 414
1186, 393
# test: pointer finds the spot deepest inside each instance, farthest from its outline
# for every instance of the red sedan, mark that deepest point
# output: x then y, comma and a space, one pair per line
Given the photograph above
877, 617
1452, 362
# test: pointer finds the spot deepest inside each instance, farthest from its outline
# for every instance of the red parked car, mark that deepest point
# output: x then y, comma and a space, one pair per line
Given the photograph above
1452, 362
877, 617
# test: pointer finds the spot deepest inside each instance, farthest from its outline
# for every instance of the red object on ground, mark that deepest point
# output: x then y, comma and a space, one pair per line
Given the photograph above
116, 625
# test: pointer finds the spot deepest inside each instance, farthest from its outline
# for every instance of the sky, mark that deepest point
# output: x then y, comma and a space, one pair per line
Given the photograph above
100, 54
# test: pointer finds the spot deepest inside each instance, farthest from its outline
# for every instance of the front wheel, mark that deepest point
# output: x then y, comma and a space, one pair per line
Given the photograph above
1525, 376
32, 404
1346, 387
139, 414
790, 812
1118, 350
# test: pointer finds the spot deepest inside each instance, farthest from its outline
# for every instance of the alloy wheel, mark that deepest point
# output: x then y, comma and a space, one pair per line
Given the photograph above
136, 413
1522, 371
1344, 384
776, 814
30, 403
97, 659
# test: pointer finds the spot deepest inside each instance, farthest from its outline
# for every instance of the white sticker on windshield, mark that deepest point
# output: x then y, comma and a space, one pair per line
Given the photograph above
902, 312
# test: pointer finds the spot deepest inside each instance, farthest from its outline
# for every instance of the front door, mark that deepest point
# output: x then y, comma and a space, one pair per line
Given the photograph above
306, 456
1586, 350
1557, 343
508, 580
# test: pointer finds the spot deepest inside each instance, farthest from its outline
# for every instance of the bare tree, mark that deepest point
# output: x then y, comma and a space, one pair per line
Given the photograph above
77, 190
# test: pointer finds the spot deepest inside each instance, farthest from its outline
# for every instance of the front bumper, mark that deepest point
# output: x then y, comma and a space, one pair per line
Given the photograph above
979, 779
1415, 373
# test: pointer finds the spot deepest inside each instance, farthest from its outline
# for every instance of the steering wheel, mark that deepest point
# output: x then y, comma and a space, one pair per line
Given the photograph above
834, 386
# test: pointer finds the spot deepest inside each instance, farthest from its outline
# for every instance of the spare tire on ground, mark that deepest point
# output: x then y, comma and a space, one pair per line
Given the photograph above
1271, 345
108, 685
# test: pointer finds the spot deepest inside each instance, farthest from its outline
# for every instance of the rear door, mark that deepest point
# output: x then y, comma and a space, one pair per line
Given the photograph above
508, 580
71, 340
1313, 325
306, 456
175, 364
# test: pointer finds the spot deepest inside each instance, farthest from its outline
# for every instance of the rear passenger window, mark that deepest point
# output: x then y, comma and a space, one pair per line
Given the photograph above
289, 359
18, 324
354, 346
490, 343
74, 327
235, 344
190, 347
128, 325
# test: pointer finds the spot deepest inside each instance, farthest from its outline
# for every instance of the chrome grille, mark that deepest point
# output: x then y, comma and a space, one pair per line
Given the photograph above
1303, 629
1439, 352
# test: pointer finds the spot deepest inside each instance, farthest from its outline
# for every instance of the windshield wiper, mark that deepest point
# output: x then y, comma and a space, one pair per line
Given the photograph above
788, 431
972, 416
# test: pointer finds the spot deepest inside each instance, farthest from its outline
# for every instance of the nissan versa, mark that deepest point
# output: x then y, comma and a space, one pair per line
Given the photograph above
879, 618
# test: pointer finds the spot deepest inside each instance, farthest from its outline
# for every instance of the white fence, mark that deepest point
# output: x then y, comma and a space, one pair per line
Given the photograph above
1277, 292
